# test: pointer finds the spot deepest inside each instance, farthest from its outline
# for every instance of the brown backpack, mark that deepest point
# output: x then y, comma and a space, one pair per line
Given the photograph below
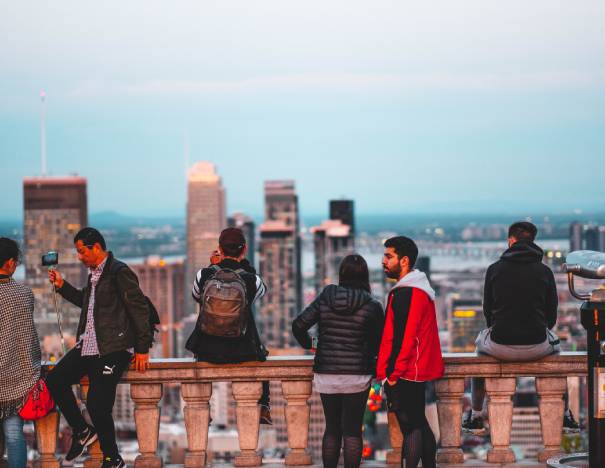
224, 308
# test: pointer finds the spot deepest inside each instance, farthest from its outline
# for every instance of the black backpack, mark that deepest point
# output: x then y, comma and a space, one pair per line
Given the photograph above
154, 317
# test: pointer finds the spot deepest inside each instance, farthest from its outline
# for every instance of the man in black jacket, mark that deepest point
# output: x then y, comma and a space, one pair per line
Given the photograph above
114, 324
520, 307
222, 350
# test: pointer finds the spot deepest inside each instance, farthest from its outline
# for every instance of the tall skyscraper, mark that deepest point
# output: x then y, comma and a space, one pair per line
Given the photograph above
55, 209
344, 210
576, 236
280, 263
465, 321
163, 283
333, 240
205, 217
246, 224
591, 238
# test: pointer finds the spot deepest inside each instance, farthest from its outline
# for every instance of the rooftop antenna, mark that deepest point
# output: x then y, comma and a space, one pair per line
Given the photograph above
43, 132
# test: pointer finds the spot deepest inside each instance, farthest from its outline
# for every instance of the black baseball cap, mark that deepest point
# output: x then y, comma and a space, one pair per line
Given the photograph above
232, 236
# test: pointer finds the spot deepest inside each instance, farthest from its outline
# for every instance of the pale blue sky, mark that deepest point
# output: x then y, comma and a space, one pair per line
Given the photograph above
438, 106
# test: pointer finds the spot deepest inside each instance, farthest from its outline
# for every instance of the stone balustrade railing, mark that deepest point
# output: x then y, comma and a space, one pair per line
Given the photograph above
295, 375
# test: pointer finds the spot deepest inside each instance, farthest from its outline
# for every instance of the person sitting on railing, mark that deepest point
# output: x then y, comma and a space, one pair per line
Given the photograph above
410, 352
225, 332
350, 325
19, 353
114, 324
520, 307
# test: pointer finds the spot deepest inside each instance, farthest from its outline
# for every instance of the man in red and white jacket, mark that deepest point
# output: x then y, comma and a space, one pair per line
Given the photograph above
410, 353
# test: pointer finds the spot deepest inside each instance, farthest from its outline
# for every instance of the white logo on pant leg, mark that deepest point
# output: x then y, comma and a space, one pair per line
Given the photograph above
108, 370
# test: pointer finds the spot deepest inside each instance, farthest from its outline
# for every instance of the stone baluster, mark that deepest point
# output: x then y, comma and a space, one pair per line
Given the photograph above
551, 390
396, 438
46, 437
246, 395
449, 407
500, 409
147, 419
298, 413
95, 455
197, 418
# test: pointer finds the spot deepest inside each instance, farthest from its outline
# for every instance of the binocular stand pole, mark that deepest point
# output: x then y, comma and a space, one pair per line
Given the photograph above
593, 320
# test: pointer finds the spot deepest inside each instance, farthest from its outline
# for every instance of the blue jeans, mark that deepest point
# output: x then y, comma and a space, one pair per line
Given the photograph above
15, 441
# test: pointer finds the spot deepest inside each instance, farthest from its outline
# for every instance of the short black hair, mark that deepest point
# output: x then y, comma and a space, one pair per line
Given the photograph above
404, 247
89, 237
9, 249
523, 231
354, 273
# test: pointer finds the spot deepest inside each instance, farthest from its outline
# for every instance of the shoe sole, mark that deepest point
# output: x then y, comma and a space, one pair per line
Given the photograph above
476, 432
88, 442
569, 430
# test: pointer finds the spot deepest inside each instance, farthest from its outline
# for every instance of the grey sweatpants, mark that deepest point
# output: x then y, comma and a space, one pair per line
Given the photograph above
533, 352
485, 345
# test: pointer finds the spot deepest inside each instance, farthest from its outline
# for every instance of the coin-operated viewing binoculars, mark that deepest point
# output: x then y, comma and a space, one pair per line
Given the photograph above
591, 265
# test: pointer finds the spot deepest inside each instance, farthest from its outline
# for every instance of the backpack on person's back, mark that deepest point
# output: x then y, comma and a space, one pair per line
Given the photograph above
224, 307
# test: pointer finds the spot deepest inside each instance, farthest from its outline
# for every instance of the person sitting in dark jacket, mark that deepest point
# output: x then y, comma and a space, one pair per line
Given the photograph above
114, 324
520, 307
220, 350
350, 325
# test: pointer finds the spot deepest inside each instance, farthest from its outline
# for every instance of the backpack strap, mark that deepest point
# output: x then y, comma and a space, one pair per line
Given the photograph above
215, 269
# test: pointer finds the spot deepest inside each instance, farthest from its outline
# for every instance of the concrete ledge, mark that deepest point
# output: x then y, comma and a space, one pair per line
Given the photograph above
300, 368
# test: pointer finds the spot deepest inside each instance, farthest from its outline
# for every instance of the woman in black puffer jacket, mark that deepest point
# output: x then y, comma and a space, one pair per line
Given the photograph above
350, 325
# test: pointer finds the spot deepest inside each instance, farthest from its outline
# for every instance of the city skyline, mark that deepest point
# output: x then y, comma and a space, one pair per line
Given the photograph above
477, 108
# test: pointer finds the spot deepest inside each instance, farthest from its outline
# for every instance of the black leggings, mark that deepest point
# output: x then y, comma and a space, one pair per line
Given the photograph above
406, 400
344, 417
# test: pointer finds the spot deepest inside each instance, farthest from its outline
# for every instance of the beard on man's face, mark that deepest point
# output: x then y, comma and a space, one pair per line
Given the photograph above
392, 273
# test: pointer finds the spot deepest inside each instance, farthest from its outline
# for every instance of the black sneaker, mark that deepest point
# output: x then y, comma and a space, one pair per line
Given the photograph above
265, 415
474, 425
570, 425
113, 462
79, 442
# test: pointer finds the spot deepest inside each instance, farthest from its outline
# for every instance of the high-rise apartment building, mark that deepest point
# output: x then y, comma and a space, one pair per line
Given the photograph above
344, 210
205, 217
465, 321
246, 224
280, 264
55, 209
576, 236
592, 238
586, 236
332, 241
163, 282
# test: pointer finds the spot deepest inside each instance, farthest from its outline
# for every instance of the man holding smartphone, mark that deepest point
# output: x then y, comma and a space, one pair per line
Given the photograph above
114, 325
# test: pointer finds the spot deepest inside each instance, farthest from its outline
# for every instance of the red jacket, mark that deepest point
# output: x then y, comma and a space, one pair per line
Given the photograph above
410, 347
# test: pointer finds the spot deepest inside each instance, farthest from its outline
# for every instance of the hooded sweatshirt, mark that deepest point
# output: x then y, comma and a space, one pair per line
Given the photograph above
410, 347
520, 296
349, 323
